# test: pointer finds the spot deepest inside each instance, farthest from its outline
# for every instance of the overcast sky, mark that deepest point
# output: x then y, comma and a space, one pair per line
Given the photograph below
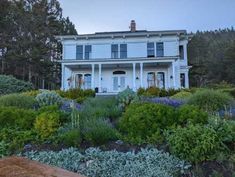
91, 16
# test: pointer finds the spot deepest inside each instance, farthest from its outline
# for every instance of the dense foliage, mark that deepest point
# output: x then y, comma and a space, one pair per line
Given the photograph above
9, 84
212, 57
27, 40
18, 100
144, 122
94, 162
18, 118
47, 98
126, 97
156, 92
210, 100
194, 143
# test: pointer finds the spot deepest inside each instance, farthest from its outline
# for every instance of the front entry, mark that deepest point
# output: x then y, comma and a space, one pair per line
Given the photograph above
119, 81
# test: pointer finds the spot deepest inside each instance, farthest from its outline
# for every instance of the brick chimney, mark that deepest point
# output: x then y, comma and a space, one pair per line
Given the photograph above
133, 26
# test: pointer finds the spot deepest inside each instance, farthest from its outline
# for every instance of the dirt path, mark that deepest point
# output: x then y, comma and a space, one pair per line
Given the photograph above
22, 167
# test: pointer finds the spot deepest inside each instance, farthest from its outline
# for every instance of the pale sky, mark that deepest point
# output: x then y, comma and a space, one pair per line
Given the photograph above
91, 16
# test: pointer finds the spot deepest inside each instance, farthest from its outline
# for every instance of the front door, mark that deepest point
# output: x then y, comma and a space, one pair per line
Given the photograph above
119, 83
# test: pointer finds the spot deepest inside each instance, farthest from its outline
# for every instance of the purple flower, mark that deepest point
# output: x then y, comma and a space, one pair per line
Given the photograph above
165, 101
66, 105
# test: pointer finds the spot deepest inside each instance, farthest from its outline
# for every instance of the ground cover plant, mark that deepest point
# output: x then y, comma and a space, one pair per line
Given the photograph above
94, 162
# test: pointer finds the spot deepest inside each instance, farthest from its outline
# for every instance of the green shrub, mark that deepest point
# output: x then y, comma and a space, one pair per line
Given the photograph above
194, 143
140, 91
145, 163
182, 95
9, 84
71, 138
16, 139
191, 114
126, 97
47, 124
152, 91
77, 94
15, 117
143, 122
225, 130
47, 98
210, 100
172, 91
4, 149
32, 93
163, 93
17, 100
98, 131
101, 107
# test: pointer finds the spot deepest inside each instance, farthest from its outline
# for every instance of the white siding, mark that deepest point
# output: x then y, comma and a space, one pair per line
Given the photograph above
170, 48
101, 51
136, 50
70, 52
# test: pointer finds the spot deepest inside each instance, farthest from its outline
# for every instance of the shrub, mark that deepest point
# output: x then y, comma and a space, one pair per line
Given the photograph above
191, 114
146, 162
71, 138
163, 93
100, 107
9, 84
164, 101
47, 98
15, 117
17, 100
77, 94
126, 97
181, 95
98, 131
47, 124
32, 93
210, 100
4, 149
172, 91
152, 91
140, 91
16, 139
225, 130
145, 122
194, 143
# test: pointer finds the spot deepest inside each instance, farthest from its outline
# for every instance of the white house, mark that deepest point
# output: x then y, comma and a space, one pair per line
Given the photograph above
109, 62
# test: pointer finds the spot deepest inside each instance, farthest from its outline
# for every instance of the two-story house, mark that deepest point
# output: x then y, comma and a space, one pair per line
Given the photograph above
109, 62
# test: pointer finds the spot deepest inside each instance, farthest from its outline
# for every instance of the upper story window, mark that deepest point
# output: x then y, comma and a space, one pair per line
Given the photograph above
181, 51
150, 49
114, 51
79, 52
123, 50
160, 49
87, 51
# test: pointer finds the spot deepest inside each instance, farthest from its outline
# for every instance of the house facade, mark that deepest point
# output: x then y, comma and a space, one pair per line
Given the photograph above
109, 62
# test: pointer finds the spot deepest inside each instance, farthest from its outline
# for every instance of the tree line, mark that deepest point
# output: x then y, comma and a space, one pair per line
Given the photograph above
28, 49
212, 57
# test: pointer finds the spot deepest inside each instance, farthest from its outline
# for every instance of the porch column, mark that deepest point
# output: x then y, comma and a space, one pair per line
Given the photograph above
62, 77
100, 78
141, 75
92, 76
173, 74
134, 87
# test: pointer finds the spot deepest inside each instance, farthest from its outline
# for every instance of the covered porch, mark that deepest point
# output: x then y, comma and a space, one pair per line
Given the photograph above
113, 77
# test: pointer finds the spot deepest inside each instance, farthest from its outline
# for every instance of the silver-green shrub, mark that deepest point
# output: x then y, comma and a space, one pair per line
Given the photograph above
126, 97
46, 98
94, 162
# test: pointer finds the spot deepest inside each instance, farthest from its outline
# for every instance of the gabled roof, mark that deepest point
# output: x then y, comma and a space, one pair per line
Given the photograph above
125, 34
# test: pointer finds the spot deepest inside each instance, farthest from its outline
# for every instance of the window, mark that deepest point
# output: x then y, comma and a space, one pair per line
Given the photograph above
114, 51
181, 51
123, 51
78, 81
79, 52
150, 49
87, 81
160, 49
87, 51
182, 80
161, 80
151, 79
